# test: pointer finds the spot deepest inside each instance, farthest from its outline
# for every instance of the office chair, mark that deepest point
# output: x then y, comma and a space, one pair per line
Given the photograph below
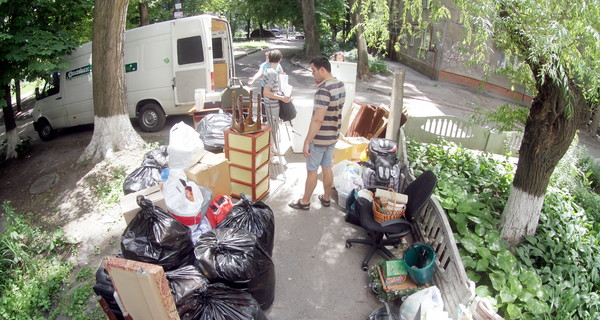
394, 230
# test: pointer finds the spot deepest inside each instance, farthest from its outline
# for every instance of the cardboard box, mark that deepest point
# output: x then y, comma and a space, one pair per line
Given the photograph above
394, 272
342, 151
407, 284
212, 172
359, 144
129, 206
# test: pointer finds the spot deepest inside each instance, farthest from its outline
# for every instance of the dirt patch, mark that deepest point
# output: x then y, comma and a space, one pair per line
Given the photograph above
78, 203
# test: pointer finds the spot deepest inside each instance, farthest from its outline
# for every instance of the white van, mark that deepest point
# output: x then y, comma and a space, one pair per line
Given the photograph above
164, 63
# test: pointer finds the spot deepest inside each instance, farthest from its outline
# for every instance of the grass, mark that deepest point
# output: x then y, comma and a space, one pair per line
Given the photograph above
249, 45
108, 184
34, 275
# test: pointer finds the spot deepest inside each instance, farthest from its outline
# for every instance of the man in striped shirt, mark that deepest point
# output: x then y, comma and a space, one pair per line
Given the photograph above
323, 132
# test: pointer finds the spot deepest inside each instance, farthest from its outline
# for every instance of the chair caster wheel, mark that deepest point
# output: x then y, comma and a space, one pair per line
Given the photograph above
348, 244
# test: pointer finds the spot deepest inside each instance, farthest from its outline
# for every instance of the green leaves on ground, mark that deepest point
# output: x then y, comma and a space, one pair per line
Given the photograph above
555, 273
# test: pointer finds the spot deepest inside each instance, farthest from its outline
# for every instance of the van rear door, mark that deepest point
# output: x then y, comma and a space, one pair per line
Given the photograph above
222, 53
191, 67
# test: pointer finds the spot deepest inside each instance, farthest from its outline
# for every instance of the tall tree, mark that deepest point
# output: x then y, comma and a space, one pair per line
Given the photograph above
34, 35
311, 34
558, 43
358, 12
112, 127
144, 18
17, 91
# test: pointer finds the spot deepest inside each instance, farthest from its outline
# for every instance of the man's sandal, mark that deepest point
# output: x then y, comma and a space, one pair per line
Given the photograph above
325, 203
297, 205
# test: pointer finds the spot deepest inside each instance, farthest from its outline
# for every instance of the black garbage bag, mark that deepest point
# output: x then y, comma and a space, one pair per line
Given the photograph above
154, 236
160, 155
256, 217
211, 130
105, 289
147, 175
220, 302
236, 257
353, 210
184, 281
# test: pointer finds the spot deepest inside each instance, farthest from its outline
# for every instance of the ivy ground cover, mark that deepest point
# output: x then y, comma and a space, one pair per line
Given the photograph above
553, 275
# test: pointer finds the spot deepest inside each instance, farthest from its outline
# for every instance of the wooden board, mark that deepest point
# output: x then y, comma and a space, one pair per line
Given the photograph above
142, 289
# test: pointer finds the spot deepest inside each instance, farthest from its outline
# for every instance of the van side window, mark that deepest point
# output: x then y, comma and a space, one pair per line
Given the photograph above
189, 50
217, 44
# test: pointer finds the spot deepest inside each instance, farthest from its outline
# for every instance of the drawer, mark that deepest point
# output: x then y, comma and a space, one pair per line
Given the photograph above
247, 175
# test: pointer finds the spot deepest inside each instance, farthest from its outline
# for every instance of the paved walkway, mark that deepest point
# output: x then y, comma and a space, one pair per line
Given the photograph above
425, 97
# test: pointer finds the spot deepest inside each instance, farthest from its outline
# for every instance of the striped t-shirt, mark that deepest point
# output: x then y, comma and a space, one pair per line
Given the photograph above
330, 95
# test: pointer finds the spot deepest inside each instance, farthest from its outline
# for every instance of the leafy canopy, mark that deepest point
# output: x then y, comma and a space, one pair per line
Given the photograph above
35, 35
558, 40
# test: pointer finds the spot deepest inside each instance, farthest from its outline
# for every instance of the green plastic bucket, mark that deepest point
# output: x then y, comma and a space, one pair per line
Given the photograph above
423, 274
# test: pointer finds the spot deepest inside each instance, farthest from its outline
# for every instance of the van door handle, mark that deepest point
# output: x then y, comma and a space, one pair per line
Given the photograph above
58, 98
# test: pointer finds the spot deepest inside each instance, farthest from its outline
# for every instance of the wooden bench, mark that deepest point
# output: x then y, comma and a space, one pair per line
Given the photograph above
433, 228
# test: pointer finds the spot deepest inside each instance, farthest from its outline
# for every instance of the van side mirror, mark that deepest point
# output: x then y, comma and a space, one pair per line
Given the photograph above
37, 93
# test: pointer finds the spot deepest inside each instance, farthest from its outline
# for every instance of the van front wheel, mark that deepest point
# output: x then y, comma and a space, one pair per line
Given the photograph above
45, 131
151, 117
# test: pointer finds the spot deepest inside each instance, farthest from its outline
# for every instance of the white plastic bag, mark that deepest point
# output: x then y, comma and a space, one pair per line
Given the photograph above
183, 198
346, 176
185, 147
429, 300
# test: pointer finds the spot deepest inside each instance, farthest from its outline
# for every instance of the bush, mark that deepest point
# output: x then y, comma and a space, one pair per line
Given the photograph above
555, 274
376, 65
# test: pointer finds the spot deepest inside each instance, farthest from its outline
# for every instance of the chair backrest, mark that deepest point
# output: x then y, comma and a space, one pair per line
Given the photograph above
418, 192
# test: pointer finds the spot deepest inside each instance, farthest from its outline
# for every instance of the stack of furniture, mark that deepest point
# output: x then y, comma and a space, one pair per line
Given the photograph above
249, 156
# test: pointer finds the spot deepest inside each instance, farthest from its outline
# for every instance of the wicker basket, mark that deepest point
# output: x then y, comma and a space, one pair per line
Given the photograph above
381, 215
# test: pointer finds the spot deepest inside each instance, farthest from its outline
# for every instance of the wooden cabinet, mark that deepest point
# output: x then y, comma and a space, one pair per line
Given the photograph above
249, 156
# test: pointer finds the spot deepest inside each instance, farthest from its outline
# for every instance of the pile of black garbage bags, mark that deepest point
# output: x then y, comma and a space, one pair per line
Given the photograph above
226, 273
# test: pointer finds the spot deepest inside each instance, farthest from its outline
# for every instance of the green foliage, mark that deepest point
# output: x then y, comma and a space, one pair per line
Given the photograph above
579, 173
376, 64
31, 273
36, 34
559, 43
505, 118
24, 147
554, 274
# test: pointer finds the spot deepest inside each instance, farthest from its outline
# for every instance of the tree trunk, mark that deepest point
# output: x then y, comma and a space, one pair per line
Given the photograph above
362, 71
311, 34
144, 18
18, 95
549, 131
112, 128
593, 128
248, 29
12, 136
